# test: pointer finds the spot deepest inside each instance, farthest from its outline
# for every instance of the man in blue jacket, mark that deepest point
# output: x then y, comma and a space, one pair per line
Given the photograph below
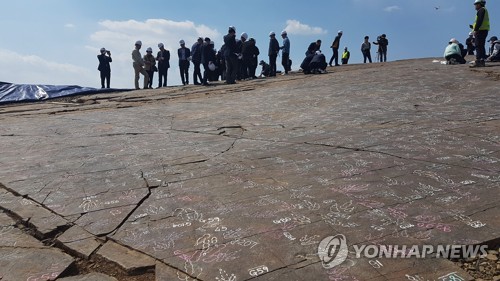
285, 52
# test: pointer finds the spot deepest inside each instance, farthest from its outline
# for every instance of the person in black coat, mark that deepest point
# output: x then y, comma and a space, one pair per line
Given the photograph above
163, 58
184, 55
274, 49
318, 63
382, 43
208, 57
313, 47
230, 55
104, 67
196, 59
250, 57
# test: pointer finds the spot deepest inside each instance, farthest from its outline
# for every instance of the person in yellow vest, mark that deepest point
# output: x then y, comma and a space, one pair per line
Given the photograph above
345, 56
480, 30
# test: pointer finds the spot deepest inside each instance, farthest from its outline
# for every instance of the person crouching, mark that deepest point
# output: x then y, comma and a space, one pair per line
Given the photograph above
453, 54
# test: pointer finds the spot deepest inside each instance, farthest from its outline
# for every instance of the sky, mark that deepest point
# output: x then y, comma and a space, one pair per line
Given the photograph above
56, 42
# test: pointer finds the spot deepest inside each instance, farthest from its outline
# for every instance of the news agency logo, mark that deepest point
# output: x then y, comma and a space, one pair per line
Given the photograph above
333, 251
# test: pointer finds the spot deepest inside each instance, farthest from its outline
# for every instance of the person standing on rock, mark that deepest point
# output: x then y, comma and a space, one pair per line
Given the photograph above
469, 42
480, 29
104, 67
335, 47
196, 59
138, 64
285, 52
274, 49
230, 55
382, 43
149, 66
163, 58
184, 55
366, 50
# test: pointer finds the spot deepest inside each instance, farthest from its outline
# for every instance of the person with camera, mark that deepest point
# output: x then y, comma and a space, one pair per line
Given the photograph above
104, 67
163, 58
382, 43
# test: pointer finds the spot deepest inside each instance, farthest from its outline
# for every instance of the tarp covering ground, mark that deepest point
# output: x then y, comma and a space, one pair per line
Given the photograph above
25, 92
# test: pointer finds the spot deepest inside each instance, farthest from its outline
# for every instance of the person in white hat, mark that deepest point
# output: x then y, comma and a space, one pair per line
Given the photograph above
469, 42
163, 58
285, 52
104, 67
138, 64
453, 53
184, 54
150, 66
242, 66
480, 29
335, 47
274, 49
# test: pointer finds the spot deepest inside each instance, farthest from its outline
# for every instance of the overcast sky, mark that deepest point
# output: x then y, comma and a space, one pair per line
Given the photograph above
56, 41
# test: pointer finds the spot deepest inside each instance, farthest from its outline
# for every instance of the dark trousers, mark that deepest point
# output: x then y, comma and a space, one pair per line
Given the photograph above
335, 56
206, 72
382, 55
272, 65
197, 73
151, 74
285, 61
367, 55
184, 69
231, 69
481, 36
460, 59
162, 77
105, 76
242, 69
252, 68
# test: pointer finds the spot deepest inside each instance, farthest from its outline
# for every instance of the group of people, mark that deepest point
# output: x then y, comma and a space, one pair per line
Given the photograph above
455, 52
315, 60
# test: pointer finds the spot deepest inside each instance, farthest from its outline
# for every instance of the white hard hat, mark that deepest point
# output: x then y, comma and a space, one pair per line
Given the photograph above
340, 31
211, 66
232, 28
272, 33
471, 33
318, 52
244, 35
479, 2
283, 32
138, 42
453, 40
149, 49
160, 45
182, 42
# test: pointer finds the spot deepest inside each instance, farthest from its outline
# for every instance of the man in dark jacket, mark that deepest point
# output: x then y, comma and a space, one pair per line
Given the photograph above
250, 54
242, 72
230, 55
208, 57
184, 54
313, 47
196, 59
318, 63
382, 43
470, 44
480, 29
335, 47
104, 67
163, 58
274, 49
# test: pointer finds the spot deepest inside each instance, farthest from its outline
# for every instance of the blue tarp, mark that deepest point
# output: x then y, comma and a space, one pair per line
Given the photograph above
22, 92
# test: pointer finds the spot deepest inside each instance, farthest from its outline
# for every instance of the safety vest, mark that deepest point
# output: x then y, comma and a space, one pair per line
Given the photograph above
486, 21
345, 55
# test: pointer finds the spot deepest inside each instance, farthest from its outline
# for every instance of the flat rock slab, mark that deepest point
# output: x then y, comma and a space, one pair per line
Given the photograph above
244, 181
90, 277
130, 260
21, 264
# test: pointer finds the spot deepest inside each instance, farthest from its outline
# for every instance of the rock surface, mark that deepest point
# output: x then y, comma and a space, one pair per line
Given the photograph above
238, 182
